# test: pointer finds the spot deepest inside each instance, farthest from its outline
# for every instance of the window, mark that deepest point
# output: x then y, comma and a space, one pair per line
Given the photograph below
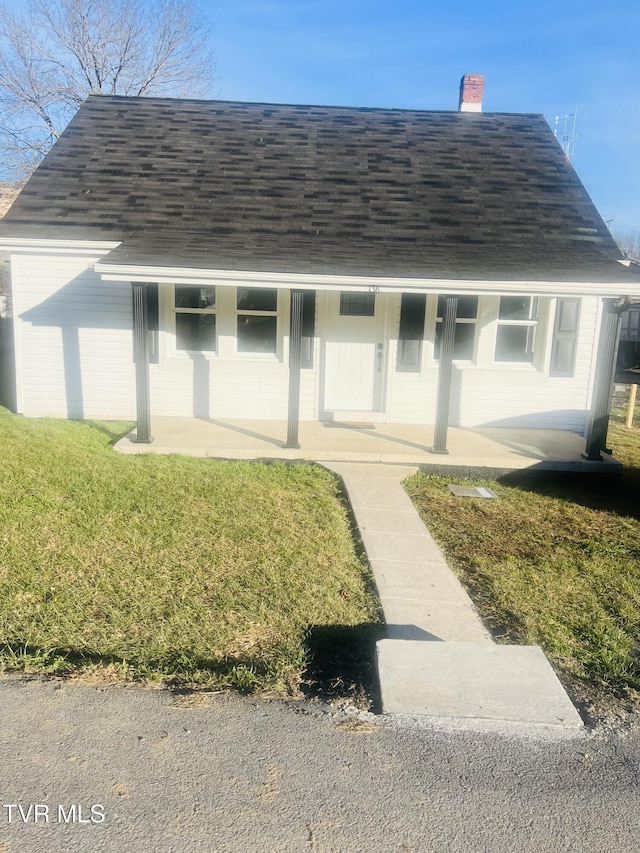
411, 332
195, 313
257, 319
465, 335
357, 304
517, 320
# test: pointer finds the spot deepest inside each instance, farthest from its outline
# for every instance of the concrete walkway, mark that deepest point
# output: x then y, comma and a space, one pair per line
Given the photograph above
421, 597
439, 660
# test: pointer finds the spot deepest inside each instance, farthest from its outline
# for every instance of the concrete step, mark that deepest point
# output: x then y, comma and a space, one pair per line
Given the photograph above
514, 684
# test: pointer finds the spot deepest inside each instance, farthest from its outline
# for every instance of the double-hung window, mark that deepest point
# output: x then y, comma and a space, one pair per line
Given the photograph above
465, 334
195, 313
516, 332
257, 312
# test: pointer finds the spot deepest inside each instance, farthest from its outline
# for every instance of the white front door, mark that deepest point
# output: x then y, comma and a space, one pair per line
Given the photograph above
354, 354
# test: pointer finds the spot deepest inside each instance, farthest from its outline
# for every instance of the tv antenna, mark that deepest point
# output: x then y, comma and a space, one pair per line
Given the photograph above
565, 132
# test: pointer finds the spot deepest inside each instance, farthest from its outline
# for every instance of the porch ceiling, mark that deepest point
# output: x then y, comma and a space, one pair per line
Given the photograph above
472, 452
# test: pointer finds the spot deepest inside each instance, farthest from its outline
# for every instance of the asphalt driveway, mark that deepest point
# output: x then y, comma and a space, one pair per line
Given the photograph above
97, 769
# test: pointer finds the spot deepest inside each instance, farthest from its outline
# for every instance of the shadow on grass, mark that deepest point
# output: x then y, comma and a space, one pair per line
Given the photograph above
613, 493
114, 432
179, 670
342, 663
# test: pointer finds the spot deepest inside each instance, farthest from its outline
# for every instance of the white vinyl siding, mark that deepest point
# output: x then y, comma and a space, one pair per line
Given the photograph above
74, 359
530, 398
510, 395
73, 340
227, 384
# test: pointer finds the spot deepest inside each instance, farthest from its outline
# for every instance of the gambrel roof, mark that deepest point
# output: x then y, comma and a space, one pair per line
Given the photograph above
322, 190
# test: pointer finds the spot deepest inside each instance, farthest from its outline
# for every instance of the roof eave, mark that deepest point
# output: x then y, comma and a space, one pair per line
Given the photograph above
311, 281
40, 246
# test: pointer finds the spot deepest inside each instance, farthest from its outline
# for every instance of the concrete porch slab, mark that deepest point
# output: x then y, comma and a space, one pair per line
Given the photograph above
472, 452
473, 681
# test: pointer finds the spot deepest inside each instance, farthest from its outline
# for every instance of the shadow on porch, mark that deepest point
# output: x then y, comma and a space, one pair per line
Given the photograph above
486, 451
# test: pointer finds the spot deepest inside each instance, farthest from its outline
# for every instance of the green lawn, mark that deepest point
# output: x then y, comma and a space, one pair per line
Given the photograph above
554, 562
178, 570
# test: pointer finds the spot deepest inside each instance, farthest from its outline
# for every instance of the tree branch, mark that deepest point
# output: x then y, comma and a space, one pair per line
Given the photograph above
64, 50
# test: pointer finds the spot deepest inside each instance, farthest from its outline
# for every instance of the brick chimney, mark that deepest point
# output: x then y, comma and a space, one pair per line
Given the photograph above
471, 88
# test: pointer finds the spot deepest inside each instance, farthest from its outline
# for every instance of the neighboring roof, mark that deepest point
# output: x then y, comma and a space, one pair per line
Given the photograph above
303, 189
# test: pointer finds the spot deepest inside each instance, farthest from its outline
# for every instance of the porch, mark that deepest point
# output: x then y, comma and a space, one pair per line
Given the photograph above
472, 452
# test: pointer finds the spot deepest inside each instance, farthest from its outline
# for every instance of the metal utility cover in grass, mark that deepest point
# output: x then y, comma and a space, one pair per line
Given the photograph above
471, 491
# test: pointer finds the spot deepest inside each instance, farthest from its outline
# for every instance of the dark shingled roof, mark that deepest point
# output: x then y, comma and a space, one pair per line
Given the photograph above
355, 191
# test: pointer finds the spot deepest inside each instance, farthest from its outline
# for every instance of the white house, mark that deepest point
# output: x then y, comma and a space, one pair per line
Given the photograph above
239, 260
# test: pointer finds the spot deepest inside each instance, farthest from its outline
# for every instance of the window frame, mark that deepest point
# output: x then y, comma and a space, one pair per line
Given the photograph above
459, 321
530, 323
368, 300
250, 312
211, 310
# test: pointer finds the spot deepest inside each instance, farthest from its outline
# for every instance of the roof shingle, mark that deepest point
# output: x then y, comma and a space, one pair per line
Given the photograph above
265, 187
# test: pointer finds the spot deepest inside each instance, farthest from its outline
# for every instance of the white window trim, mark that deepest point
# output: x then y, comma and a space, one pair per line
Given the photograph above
487, 322
466, 362
187, 353
370, 295
538, 345
240, 312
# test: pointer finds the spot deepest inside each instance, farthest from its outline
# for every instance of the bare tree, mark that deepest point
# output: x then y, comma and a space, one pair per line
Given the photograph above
63, 50
629, 241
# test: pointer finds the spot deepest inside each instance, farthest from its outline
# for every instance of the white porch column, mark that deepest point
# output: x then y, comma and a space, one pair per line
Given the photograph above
444, 376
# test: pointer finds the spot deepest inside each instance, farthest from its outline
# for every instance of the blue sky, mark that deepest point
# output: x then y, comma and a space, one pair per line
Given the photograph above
544, 57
